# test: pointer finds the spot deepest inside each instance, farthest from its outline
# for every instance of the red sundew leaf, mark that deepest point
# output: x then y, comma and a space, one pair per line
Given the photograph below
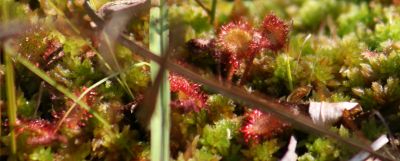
52, 47
193, 96
259, 125
75, 118
276, 31
240, 42
235, 38
259, 42
42, 132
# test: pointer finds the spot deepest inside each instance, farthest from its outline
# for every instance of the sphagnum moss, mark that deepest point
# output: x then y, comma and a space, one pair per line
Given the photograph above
351, 54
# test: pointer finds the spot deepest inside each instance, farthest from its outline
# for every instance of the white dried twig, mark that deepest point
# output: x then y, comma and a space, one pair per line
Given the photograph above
325, 113
291, 152
377, 144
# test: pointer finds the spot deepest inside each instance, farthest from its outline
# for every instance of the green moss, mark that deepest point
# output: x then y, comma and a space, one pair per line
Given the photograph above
111, 90
41, 154
137, 77
217, 138
356, 16
386, 65
220, 107
319, 69
379, 95
322, 150
313, 12
77, 66
26, 108
385, 33
346, 50
372, 128
263, 151
284, 70
11, 9
201, 154
192, 17
339, 97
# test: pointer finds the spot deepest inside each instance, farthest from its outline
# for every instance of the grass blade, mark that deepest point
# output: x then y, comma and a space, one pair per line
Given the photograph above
60, 88
160, 121
11, 99
213, 10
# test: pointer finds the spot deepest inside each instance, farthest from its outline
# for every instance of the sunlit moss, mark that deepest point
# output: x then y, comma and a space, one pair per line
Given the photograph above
263, 151
321, 149
217, 138
312, 13
355, 17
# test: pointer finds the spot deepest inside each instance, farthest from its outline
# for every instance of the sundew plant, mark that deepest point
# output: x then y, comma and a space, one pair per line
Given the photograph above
199, 80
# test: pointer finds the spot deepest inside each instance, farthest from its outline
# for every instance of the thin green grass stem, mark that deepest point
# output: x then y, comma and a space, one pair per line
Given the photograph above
160, 121
11, 99
60, 88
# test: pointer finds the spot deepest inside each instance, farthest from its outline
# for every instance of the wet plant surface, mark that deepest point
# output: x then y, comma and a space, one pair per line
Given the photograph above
231, 80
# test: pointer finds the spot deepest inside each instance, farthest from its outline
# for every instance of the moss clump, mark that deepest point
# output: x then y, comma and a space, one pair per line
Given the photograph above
291, 52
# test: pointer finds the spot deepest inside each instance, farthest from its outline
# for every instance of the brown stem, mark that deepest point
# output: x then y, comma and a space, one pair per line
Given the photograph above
245, 76
231, 71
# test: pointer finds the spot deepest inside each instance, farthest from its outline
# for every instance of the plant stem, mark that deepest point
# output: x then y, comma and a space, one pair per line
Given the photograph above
160, 121
204, 7
11, 100
289, 73
249, 64
213, 9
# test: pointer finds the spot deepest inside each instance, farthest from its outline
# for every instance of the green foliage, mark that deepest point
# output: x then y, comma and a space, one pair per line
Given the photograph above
26, 108
263, 151
345, 50
372, 128
320, 69
113, 146
80, 67
72, 46
284, 66
193, 17
137, 77
82, 71
205, 155
339, 97
200, 154
10, 9
379, 93
111, 90
41, 154
217, 138
313, 12
386, 65
220, 107
356, 16
261, 7
385, 33
321, 149
123, 55
325, 149
74, 152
